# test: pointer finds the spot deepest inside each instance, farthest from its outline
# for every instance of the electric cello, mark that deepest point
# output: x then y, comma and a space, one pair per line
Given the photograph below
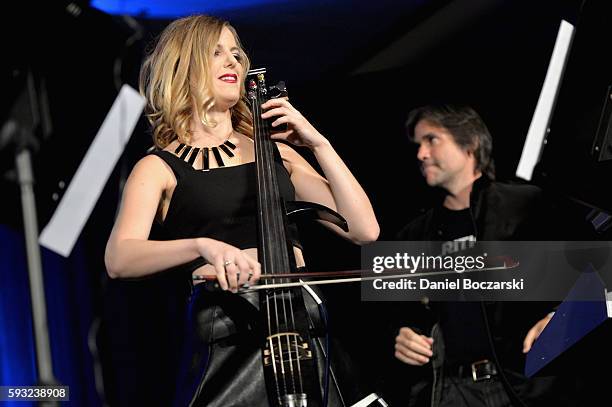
291, 374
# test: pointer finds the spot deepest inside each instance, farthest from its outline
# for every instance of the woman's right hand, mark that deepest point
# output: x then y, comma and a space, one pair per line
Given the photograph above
412, 348
232, 266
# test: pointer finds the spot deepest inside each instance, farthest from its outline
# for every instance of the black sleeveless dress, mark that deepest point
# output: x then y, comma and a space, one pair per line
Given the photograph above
222, 363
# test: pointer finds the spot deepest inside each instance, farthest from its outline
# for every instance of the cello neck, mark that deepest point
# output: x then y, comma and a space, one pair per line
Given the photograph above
273, 250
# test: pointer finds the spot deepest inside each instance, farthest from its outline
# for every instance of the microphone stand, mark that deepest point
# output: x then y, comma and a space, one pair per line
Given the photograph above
22, 129
37, 288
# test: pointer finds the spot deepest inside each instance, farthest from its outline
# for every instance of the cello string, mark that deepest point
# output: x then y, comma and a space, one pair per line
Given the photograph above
275, 217
273, 227
292, 350
268, 222
295, 341
256, 104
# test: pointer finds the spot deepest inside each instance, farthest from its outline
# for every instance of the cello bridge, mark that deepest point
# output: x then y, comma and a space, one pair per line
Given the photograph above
285, 348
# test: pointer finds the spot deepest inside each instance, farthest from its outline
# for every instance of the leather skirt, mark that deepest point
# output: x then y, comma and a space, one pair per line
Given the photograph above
222, 362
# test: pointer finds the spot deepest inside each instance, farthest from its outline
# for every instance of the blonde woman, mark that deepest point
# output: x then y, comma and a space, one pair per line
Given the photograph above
199, 185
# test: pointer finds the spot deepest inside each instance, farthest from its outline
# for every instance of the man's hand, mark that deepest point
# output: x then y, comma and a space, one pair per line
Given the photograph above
412, 348
535, 332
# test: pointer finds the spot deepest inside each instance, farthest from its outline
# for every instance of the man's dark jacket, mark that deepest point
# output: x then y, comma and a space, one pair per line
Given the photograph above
499, 212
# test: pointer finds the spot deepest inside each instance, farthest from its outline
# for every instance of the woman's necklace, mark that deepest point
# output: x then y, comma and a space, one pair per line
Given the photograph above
190, 153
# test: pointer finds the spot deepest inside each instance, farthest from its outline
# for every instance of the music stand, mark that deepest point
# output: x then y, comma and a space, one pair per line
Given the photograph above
584, 309
576, 164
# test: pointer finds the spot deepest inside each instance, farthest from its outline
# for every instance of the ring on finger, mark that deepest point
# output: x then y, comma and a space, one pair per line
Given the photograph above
227, 263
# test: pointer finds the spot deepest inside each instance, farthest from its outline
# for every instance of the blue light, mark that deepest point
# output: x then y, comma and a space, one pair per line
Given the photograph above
17, 357
162, 9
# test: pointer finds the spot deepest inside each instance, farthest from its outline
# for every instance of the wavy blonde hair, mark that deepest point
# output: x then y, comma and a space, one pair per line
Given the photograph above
175, 79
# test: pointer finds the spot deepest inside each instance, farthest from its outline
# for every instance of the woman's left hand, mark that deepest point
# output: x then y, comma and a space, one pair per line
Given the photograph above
299, 131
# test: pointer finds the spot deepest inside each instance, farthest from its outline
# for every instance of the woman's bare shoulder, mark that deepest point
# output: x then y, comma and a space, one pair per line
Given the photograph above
152, 168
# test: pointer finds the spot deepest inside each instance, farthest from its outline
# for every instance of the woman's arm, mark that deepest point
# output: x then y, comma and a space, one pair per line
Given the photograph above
130, 254
339, 190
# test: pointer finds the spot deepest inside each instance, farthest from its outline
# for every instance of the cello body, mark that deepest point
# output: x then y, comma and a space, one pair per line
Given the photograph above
291, 369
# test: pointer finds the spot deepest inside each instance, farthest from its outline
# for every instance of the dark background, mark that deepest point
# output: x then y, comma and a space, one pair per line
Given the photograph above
354, 69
